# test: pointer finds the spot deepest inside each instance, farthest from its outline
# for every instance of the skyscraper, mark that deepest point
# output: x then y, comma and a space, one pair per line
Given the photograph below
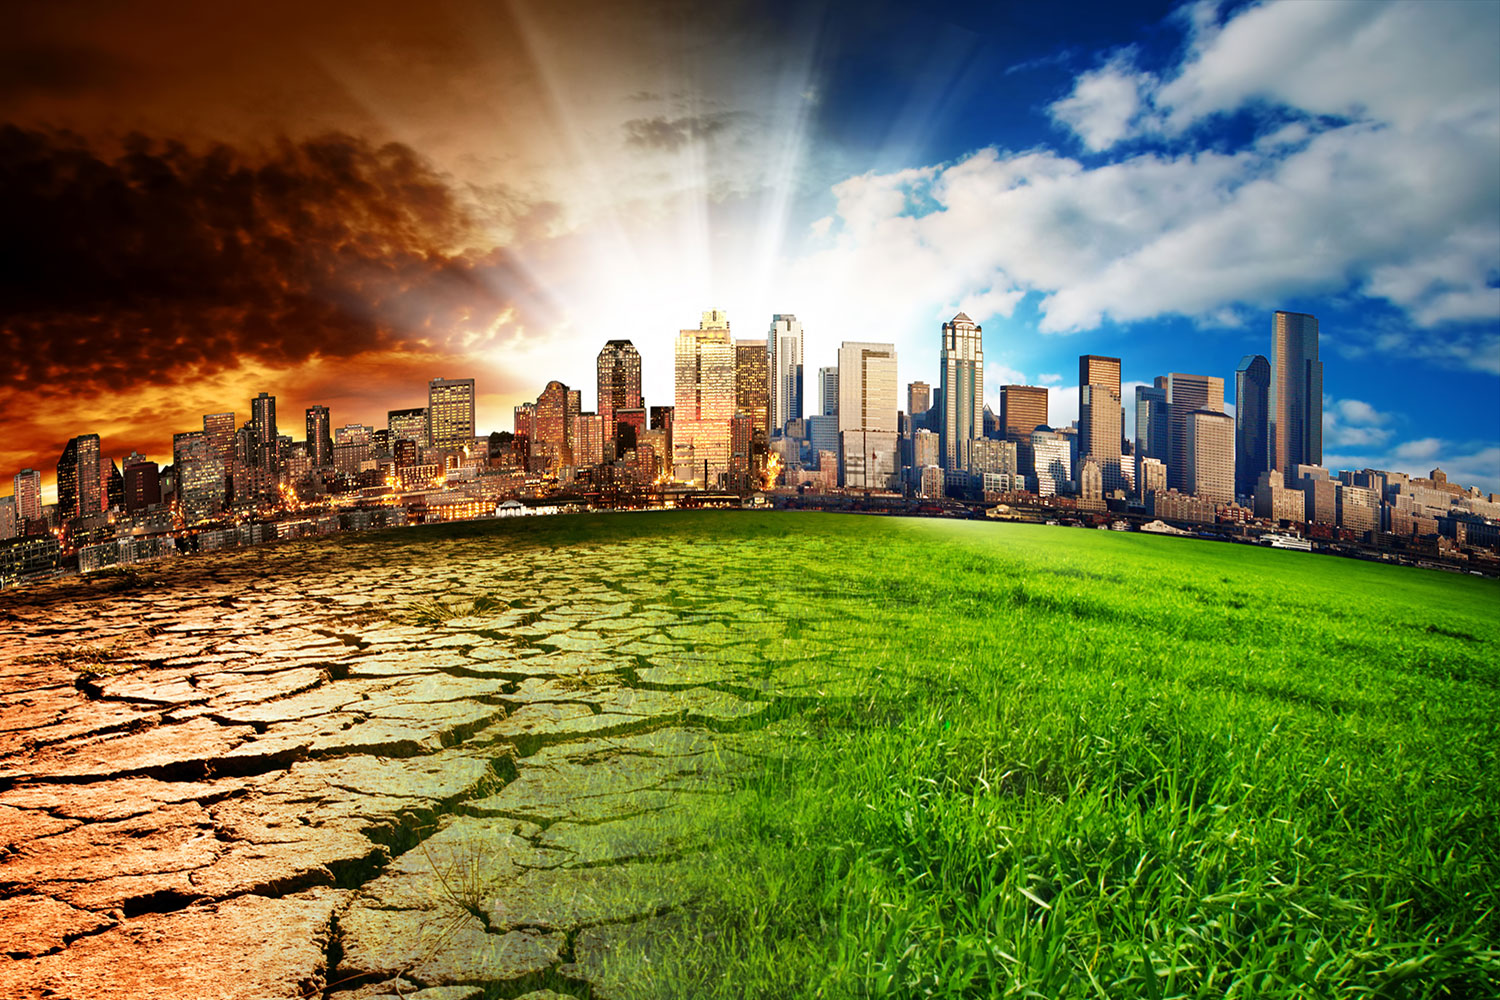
200, 476
1152, 426
868, 404
784, 343
550, 428
1187, 394
78, 491
1023, 408
1210, 455
408, 425
705, 401
961, 390
752, 384
142, 484
1252, 423
1296, 396
264, 448
450, 413
619, 368
319, 437
918, 398
1100, 417
27, 488
828, 391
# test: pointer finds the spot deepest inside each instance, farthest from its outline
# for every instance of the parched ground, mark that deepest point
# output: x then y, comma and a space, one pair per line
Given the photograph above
291, 772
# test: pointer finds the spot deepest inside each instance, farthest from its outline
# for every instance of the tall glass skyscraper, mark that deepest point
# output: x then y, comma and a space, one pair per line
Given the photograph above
1186, 394
1296, 398
962, 390
784, 342
1252, 423
1101, 416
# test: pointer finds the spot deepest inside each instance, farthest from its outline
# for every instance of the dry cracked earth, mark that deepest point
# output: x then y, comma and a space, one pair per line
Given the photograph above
288, 772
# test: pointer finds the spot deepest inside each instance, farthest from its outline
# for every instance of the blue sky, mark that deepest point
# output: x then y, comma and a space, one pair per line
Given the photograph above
1173, 174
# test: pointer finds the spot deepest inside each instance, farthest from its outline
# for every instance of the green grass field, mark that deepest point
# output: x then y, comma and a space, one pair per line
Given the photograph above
1036, 761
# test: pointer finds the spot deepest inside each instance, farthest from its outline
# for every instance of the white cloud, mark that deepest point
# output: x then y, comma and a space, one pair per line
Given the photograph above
1354, 424
1049, 378
1410, 64
1399, 202
1104, 103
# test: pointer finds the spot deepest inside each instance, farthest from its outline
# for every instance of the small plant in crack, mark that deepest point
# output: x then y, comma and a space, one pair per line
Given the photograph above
90, 660
436, 611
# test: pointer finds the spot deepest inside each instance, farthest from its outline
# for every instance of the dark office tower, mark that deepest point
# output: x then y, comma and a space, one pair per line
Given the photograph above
1186, 394
319, 437
78, 490
1023, 408
264, 447
752, 383
918, 397
112, 484
962, 391
1100, 417
828, 391
1296, 397
1152, 428
661, 420
142, 485
619, 380
1252, 423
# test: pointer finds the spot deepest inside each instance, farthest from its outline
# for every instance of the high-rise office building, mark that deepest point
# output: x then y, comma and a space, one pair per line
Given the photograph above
1296, 396
661, 420
219, 429
408, 425
961, 390
752, 385
142, 484
200, 477
1152, 425
828, 391
784, 344
868, 399
1252, 423
1187, 394
1101, 417
450, 413
868, 405
27, 489
1023, 408
1051, 460
78, 491
704, 401
918, 398
588, 439
549, 437
319, 437
264, 448
1210, 455
619, 370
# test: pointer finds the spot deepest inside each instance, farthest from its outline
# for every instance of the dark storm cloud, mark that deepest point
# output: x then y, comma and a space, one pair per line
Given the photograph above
161, 259
671, 134
56, 69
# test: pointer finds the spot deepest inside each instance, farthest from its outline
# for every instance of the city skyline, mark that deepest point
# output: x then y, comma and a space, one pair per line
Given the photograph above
1146, 185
